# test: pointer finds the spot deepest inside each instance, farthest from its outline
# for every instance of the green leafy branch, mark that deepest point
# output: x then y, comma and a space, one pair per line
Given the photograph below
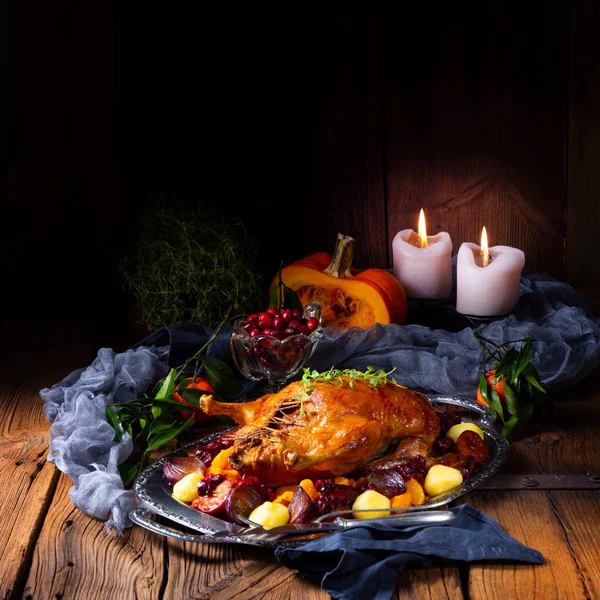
156, 419
515, 392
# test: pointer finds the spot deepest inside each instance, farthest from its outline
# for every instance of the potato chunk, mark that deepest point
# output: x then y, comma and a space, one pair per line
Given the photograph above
441, 479
270, 514
371, 500
455, 431
186, 489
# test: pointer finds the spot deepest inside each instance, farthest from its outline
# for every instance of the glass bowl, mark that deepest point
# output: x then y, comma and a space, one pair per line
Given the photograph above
266, 357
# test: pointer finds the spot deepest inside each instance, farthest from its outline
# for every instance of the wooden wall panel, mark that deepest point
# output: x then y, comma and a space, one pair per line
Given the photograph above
583, 199
475, 113
331, 150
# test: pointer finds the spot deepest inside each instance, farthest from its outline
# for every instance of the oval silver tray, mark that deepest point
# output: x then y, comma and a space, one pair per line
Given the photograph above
156, 500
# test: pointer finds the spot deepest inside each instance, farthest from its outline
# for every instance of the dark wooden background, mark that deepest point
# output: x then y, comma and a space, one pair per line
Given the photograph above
302, 120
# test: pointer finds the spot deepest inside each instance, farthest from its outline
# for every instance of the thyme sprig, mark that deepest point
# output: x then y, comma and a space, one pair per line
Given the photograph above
339, 377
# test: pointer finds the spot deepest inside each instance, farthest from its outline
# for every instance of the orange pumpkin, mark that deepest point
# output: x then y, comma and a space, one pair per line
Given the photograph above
349, 298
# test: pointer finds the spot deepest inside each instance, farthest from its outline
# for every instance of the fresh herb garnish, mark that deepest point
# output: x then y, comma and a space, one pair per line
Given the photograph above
510, 385
339, 377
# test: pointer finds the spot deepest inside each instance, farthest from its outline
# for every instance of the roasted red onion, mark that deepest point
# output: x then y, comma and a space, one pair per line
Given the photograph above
243, 498
389, 483
177, 468
299, 506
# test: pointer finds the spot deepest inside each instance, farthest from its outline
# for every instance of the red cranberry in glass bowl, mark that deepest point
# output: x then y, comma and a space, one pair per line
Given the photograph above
276, 354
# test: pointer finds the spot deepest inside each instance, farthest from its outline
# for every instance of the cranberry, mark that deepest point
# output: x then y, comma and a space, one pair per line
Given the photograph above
294, 324
267, 332
325, 485
406, 472
342, 498
297, 313
321, 504
444, 462
447, 419
208, 483
272, 311
277, 333
253, 317
214, 445
469, 469
287, 315
205, 456
444, 445
419, 467
267, 492
279, 323
255, 332
265, 324
303, 329
312, 324
290, 331
367, 486
249, 325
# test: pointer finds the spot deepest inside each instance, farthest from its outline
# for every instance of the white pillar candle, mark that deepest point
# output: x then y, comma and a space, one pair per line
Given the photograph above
492, 290
423, 269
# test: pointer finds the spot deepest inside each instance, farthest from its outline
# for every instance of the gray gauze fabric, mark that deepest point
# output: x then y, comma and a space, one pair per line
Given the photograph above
567, 346
82, 443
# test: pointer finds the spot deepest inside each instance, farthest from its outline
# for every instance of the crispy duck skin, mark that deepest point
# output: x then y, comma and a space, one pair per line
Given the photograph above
330, 432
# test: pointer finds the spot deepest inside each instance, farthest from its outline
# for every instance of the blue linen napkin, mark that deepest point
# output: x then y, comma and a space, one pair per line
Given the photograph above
364, 562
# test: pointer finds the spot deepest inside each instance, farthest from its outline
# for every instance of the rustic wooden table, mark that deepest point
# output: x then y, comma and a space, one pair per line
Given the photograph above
51, 550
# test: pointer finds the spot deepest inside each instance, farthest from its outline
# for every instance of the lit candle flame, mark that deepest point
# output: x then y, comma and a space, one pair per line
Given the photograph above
422, 230
484, 247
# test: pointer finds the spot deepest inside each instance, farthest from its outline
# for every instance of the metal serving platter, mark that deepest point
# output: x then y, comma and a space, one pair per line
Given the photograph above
155, 498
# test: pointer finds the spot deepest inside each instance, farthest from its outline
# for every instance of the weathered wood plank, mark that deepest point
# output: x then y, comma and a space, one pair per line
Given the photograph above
75, 558
24, 447
531, 518
230, 571
569, 442
330, 120
429, 584
23, 503
583, 198
475, 113
579, 514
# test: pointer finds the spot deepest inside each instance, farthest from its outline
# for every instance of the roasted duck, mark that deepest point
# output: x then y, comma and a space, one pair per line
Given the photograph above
330, 429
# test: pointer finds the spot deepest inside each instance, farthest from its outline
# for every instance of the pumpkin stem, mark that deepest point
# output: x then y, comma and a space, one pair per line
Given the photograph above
342, 257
